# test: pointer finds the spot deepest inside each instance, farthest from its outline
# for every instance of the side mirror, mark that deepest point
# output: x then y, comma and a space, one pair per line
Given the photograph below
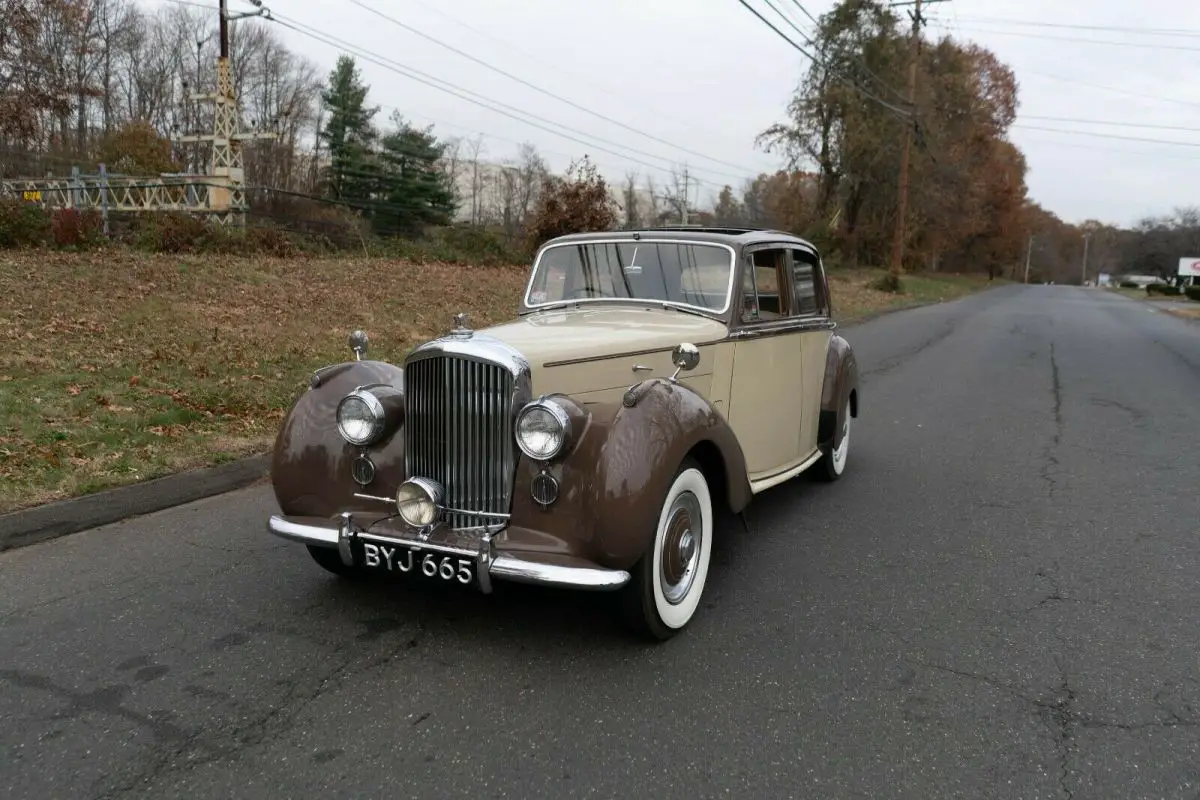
358, 343
685, 357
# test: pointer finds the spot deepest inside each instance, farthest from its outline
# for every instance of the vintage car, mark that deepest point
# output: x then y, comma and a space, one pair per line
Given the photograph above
653, 381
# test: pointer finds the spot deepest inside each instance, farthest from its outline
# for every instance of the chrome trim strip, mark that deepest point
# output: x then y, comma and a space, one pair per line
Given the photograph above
762, 484
505, 566
629, 354
480, 347
716, 313
306, 534
597, 579
781, 326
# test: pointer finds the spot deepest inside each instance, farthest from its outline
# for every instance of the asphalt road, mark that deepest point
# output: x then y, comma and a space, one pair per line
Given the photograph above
999, 600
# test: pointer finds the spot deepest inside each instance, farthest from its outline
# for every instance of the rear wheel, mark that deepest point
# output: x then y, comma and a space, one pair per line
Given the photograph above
668, 582
331, 560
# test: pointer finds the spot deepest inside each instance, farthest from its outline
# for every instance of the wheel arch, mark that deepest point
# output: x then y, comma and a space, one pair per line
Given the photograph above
613, 481
840, 387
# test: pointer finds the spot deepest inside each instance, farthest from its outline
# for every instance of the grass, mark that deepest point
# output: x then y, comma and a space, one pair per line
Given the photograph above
854, 298
117, 367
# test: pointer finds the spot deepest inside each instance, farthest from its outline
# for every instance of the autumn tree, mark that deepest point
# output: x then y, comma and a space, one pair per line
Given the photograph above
727, 209
847, 118
138, 149
575, 202
27, 89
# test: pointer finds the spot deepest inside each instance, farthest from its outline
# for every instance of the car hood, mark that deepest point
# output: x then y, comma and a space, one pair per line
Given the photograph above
600, 345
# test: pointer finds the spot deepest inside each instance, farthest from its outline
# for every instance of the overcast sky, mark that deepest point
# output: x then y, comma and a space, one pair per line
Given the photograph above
706, 76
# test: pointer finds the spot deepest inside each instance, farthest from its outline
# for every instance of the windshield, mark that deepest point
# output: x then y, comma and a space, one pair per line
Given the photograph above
692, 274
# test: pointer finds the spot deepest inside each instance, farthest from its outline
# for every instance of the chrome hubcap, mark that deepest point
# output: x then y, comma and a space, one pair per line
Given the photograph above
681, 548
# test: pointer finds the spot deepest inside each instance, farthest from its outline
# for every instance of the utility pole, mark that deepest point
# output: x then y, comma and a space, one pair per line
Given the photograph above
1028, 253
683, 204
1083, 272
906, 145
225, 192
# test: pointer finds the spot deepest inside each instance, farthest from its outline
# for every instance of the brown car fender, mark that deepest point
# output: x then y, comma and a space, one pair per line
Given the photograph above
310, 465
620, 465
840, 384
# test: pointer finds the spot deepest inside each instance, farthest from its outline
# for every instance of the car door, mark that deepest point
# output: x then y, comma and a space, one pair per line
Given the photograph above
811, 311
766, 395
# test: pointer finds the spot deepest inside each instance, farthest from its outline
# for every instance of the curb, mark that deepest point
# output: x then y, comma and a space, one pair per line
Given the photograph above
50, 521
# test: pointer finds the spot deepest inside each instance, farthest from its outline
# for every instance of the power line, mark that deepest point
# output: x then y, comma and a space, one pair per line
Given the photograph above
1104, 42
558, 67
495, 106
1113, 89
857, 60
1106, 135
1115, 123
540, 90
1181, 32
901, 113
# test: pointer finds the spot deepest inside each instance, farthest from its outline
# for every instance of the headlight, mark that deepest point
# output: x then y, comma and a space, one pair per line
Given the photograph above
418, 501
360, 417
542, 429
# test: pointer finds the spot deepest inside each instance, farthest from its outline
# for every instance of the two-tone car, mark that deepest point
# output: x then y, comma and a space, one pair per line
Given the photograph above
651, 380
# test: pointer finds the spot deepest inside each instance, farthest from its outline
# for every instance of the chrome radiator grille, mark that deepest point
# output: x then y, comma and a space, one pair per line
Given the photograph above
458, 431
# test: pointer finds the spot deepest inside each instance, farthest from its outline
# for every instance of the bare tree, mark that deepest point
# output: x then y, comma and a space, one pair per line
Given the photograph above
478, 176
653, 214
631, 201
531, 176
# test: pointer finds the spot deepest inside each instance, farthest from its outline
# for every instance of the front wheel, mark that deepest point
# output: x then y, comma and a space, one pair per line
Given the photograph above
668, 581
833, 463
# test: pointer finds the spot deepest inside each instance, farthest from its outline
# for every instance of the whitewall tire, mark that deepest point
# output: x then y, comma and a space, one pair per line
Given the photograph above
668, 582
833, 463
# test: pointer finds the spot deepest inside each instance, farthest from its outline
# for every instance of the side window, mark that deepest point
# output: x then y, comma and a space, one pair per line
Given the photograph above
765, 297
806, 288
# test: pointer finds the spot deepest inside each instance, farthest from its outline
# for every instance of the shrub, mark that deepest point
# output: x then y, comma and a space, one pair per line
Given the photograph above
73, 229
173, 232
1163, 289
1192, 292
269, 242
1128, 285
575, 203
23, 224
889, 283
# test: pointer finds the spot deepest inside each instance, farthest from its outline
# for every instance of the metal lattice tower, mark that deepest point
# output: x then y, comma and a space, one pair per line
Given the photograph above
221, 195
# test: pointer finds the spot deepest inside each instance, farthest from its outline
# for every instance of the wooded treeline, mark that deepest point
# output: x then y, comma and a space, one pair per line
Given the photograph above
83, 81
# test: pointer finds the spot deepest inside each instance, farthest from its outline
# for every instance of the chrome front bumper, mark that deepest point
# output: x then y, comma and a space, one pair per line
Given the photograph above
489, 563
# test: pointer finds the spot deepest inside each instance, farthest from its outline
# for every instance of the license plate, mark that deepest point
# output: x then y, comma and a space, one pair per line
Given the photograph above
410, 561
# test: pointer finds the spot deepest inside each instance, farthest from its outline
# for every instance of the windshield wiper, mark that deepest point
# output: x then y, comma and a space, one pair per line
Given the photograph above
684, 309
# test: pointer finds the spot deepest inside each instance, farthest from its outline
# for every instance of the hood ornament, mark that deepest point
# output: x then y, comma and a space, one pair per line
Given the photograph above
461, 330
358, 343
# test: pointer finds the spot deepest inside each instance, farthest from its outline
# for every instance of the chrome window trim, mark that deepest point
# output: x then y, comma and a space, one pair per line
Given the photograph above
716, 313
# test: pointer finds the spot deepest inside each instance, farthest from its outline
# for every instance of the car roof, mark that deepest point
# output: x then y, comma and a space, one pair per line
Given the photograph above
726, 235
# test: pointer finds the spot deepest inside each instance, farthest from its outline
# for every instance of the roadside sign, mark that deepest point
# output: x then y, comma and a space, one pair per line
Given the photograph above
1189, 267
36, 197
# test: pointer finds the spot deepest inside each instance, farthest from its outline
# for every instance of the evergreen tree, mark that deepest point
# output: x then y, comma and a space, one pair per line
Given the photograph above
348, 134
412, 192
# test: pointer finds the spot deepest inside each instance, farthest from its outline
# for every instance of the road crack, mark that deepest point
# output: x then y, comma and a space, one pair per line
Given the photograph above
889, 364
209, 746
1050, 462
